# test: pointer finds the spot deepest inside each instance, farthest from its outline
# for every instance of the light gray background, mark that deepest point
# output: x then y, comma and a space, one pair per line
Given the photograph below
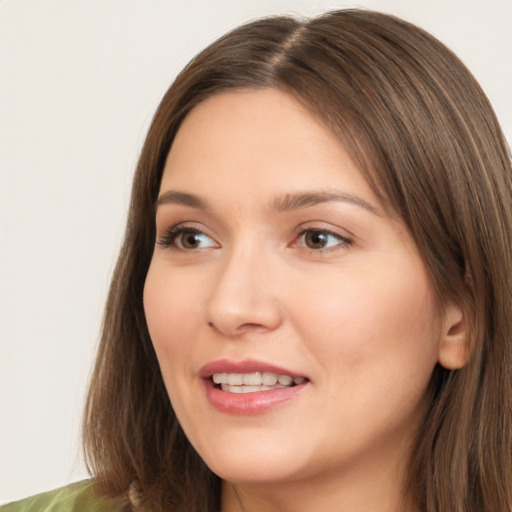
79, 82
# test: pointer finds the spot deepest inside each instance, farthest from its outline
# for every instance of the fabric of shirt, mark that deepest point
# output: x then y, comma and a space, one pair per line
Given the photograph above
76, 497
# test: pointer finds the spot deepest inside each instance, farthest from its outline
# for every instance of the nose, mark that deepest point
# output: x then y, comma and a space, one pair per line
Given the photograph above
243, 298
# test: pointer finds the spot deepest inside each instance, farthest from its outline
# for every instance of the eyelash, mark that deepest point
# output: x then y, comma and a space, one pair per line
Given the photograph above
171, 237
341, 240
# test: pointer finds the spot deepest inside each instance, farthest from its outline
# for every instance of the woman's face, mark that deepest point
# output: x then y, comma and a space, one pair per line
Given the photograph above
274, 260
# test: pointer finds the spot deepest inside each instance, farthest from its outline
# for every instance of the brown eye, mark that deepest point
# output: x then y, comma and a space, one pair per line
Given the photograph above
318, 239
186, 239
189, 239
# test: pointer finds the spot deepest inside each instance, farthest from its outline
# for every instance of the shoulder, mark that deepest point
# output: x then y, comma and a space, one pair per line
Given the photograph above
76, 497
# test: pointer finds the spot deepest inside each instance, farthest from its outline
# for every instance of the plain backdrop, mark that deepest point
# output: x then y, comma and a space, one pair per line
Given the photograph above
79, 82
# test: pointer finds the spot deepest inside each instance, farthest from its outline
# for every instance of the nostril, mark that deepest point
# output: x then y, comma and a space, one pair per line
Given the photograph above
238, 330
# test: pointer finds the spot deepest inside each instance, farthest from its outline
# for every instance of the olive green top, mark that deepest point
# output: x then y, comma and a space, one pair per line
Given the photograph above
77, 497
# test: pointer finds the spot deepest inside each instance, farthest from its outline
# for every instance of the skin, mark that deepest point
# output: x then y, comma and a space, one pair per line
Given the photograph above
356, 316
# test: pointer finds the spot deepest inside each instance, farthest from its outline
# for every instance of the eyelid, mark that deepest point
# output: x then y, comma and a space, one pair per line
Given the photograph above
168, 238
345, 240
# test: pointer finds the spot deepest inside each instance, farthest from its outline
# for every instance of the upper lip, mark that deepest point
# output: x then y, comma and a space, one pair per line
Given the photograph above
243, 366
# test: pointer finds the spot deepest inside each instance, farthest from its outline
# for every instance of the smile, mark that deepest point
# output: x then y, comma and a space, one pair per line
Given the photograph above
254, 382
249, 386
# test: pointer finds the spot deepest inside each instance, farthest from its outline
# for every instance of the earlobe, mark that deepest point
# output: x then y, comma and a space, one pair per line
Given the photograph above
454, 348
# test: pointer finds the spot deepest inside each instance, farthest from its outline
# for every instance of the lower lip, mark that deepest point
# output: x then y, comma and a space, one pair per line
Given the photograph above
257, 402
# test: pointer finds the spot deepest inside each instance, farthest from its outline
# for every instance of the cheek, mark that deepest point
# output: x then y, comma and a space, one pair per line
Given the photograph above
377, 322
376, 342
172, 316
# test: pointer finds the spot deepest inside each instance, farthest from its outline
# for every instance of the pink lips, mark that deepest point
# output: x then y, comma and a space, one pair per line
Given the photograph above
247, 403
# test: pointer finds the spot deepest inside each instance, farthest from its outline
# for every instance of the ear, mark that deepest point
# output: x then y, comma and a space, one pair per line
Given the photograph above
454, 348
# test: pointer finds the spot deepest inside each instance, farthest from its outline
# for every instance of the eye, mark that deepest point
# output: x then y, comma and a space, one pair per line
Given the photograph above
186, 239
318, 239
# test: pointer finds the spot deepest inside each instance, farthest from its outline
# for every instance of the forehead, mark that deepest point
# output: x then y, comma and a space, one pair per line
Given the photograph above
258, 140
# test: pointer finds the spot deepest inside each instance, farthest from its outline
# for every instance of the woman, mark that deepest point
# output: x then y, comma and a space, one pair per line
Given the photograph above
311, 309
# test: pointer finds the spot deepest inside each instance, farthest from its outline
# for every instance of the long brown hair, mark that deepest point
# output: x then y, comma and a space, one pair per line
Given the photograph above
426, 138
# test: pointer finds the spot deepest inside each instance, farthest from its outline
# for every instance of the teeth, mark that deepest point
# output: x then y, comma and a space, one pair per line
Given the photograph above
269, 379
235, 379
251, 382
285, 380
220, 378
248, 389
250, 379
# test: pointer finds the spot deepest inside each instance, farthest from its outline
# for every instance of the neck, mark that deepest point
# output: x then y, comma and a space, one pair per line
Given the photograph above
355, 489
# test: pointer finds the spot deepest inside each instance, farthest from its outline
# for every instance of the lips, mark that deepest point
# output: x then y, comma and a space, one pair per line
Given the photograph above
253, 382
249, 387
243, 367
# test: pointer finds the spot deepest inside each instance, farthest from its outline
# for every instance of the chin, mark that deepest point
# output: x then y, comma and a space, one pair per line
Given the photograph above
244, 473
259, 463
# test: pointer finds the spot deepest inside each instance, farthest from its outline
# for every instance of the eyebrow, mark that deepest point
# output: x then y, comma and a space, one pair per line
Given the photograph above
304, 200
288, 202
182, 198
